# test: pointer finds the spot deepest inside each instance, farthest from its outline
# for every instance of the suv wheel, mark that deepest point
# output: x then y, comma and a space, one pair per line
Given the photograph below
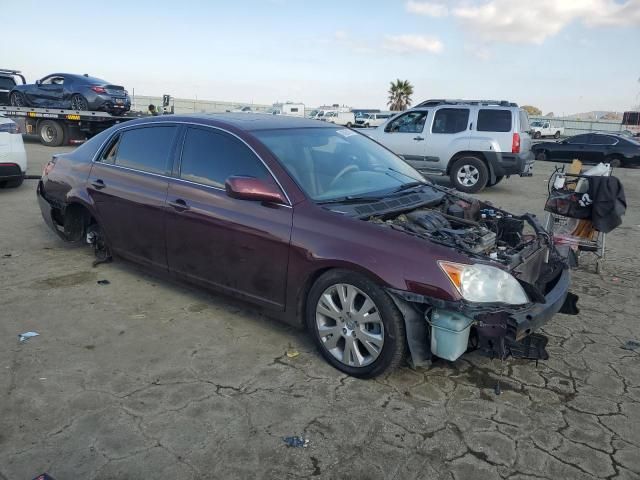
469, 174
355, 324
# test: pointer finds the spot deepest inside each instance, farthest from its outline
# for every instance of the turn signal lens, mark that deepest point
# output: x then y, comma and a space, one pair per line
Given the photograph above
454, 272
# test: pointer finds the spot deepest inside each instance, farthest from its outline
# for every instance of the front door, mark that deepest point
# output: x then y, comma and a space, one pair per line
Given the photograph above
236, 245
128, 184
404, 135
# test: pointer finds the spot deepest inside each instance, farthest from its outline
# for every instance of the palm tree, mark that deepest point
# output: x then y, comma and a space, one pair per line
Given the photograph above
400, 93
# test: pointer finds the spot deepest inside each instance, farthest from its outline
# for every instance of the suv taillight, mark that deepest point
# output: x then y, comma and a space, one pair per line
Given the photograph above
99, 89
515, 144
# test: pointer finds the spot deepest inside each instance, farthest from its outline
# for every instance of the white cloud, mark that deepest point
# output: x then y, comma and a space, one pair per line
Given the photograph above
412, 43
533, 21
430, 9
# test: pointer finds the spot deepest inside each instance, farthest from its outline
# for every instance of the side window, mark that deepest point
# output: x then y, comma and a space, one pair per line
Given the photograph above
490, 120
579, 140
210, 158
109, 153
412, 122
602, 140
450, 120
524, 121
145, 149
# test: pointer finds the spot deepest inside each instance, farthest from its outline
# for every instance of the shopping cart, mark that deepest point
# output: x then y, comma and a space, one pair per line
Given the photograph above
569, 211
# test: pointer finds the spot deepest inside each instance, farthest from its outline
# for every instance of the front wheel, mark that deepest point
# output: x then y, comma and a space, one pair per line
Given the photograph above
469, 174
355, 324
17, 100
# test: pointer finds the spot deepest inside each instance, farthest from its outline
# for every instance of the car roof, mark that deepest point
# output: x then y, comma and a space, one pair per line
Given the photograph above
241, 121
77, 76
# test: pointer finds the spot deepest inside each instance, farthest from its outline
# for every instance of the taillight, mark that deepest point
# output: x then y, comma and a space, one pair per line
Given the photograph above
10, 127
515, 144
99, 89
48, 167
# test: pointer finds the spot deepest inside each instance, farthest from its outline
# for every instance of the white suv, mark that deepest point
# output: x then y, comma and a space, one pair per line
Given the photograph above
476, 142
13, 158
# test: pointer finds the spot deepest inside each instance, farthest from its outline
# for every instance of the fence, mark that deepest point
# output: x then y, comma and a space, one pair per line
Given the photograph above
575, 127
184, 105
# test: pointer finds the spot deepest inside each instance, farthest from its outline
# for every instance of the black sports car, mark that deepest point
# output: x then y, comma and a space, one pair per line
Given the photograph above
76, 92
618, 150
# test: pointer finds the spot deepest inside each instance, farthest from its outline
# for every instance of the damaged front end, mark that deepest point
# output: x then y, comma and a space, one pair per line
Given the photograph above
500, 316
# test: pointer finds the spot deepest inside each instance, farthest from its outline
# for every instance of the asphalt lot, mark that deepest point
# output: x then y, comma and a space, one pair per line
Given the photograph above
143, 378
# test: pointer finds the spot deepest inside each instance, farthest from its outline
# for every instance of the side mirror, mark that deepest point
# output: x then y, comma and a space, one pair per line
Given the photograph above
250, 188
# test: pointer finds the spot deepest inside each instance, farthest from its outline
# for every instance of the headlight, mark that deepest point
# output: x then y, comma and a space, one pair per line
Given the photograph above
484, 283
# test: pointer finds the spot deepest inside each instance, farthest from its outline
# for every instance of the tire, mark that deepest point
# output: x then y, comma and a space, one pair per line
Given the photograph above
78, 102
614, 162
498, 180
541, 156
350, 354
556, 135
14, 183
469, 174
51, 133
17, 100
349, 125
537, 135
366, 125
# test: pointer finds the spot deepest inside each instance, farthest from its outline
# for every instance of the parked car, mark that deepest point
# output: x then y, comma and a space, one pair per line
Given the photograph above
71, 91
317, 224
476, 144
542, 128
8, 80
617, 150
368, 120
241, 109
13, 158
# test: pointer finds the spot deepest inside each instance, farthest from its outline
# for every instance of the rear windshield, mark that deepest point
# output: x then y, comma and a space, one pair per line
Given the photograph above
490, 120
7, 83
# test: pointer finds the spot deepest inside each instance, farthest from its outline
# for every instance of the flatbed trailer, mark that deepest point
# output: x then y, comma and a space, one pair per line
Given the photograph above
57, 127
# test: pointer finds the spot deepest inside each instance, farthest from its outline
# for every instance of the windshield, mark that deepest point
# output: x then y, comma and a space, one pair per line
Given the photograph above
332, 164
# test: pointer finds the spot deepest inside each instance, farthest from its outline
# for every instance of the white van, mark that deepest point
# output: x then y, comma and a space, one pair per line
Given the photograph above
348, 119
376, 119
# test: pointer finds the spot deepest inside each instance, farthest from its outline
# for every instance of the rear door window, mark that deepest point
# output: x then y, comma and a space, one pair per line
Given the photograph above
210, 157
411, 122
602, 140
579, 140
147, 149
491, 120
450, 120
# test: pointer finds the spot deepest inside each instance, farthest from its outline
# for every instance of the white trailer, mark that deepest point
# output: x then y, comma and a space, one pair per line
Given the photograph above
289, 108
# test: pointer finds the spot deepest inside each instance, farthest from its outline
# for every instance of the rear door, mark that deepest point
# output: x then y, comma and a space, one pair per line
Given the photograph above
574, 147
600, 147
128, 184
240, 246
404, 135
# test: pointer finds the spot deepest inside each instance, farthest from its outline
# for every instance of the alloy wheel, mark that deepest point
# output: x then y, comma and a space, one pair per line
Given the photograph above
78, 103
349, 325
468, 175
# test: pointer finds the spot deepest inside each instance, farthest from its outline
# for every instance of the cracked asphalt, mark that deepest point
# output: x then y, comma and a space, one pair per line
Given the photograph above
144, 378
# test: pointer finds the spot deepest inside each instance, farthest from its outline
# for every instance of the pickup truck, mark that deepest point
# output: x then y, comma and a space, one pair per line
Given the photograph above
541, 128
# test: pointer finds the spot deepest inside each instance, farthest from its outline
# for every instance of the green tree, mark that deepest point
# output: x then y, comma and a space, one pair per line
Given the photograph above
535, 111
400, 93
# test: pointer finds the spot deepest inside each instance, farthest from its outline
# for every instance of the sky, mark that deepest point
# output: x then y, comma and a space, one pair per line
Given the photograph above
563, 56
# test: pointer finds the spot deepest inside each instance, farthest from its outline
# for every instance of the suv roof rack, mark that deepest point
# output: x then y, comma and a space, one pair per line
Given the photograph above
459, 101
17, 73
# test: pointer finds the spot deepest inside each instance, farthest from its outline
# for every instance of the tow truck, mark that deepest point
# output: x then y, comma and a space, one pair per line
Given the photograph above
55, 126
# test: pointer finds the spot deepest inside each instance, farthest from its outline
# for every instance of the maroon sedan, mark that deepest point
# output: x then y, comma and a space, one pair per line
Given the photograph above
319, 225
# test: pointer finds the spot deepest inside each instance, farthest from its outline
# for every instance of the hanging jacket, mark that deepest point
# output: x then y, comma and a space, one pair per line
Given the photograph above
607, 200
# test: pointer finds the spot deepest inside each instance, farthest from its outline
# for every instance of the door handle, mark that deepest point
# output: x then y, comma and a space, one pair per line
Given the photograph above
98, 184
418, 138
179, 205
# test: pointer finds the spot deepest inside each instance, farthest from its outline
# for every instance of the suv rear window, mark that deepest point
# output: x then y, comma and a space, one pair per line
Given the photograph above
7, 83
490, 120
450, 120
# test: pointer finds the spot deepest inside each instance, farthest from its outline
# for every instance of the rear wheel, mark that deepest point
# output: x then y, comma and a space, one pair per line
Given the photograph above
78, 102
469, 174
537, 135
557, 134
17, 100
349, 125
355, 324
541, 155
51, 133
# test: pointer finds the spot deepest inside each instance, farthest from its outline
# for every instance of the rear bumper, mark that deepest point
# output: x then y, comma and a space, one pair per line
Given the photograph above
46, 209
10, 171
503, 163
